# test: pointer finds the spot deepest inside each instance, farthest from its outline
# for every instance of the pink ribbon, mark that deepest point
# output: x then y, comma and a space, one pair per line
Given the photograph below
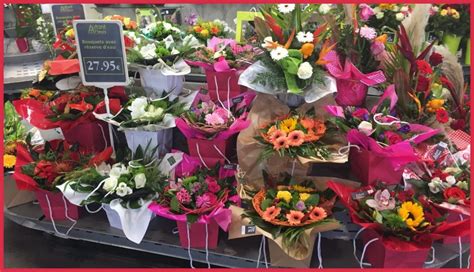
388, 94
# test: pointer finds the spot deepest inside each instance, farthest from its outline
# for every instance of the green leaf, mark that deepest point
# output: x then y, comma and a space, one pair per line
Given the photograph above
377, 216
266, 203
192, 218
174, 204
313, 200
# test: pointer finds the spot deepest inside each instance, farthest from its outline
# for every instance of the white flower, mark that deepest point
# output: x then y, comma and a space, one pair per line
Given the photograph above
286, 8
399, 16
103, 169
451, 180
404, 9
191, 41
279, 53
305, 70
140, 180
304, 37
463, 185
377, 9
218, 54
148, 51
167, 26
154, 113
395, 8
435, 185
379, 15
137, 108
123, 190
435, 8
110, 184
267, 42
117, 170
365, 127
168, 41
325, 8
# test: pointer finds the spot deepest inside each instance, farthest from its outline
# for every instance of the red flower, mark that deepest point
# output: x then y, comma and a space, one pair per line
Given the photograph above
101, 157
442, 116
436, 59
81, 106
46, 170
423, 85
392, 137
458, 124
129, 43
446, 83
424, 67
212, 185
362, 114
454, 193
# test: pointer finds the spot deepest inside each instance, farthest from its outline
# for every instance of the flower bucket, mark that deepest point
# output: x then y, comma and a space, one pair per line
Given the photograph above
113, 217
55, 207
370, 168
162, 138
197, 234
93, 136
379, 255
155, 82
212, 151
452, 42
454, 217
350, 92
22, 44
467, 58
223, 85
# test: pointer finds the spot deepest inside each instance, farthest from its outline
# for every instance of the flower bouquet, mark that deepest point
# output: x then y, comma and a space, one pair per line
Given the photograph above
198, 199
292, 64
128, 24
383, 144
124, 190
210, 128
149, 120
384, 18
158, 54
223, 60
205, 30
14, 132
42, 167
397, 228
291, 216
40, 95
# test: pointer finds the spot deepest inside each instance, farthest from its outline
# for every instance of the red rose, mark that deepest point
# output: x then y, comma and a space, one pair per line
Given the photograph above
392, 137
442, 116
454, 193
424, 67
423, 85
458, 124
436, 59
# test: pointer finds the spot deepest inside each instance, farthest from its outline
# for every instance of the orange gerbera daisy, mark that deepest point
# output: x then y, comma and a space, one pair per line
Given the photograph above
311, 137
294, 217
280, 143
319, 127
271, 213
296, 138
307, 123
318, 214
276, 134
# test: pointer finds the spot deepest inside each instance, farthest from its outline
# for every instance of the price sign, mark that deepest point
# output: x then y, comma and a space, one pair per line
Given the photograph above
101, 52
63, 13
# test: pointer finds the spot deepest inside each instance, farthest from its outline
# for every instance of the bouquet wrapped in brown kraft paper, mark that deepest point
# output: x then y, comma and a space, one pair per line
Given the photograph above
291, 215
283, 139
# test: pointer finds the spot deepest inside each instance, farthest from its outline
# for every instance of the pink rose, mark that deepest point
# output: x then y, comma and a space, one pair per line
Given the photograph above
212, 185
392, 137
365, 12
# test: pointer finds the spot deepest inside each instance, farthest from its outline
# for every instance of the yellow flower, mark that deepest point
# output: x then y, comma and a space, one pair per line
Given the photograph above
285, 195
456, 15
9, 161
204, 33
70, 33
304, 196
412, 214
300, 189
288, 125
434, 104
444, 12
386, 6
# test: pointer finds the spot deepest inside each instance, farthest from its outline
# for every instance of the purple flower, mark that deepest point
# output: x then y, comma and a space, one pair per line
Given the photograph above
381, 137
382, 201
404, 129
191, 19
300, 205
195, 187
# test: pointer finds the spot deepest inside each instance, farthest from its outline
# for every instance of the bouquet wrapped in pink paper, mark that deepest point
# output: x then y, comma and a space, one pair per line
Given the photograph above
223, 60
383, 144
198, 199
210, 128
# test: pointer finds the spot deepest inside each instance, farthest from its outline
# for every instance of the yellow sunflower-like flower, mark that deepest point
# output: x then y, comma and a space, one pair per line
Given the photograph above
285, 195
288, 125
301, 189
434, 104
70, 33
304, 196
9, 161
412, 214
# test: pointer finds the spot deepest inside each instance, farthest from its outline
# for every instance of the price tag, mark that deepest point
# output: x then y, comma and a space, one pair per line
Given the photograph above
440, 148
101, 52
248, 229
237, 100
63, 13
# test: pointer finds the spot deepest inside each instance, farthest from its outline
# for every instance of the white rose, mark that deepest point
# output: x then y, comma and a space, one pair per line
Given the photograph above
110, 184
279, 53
379, 15
137, 108
435, 185
148, 51
304, 37
117, 170
103, 169
404, 9
365, 127
123, 190
154, 112
140, 180
399, 16
451, 180
305, 70
325, 8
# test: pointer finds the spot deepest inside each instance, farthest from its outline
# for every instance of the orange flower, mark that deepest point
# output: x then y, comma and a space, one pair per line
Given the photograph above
296, 138
307, 50
382, 38
324, 51
280, 143
319, 127
307, 123
197, 29
34, 92
311, 137
276, 134
271, 213
318, 214
294, 217
214, 30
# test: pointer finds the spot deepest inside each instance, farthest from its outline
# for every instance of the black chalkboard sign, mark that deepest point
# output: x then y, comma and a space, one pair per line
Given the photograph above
101, 51
63, 13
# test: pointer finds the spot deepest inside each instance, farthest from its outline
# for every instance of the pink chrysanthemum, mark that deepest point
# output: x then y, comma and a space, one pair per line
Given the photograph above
367, 32
183, 196
206, 200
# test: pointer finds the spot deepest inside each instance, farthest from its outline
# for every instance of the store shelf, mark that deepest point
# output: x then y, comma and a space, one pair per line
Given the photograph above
25, 57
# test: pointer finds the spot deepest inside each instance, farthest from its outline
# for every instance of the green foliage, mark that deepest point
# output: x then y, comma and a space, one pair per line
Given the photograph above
13, 129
